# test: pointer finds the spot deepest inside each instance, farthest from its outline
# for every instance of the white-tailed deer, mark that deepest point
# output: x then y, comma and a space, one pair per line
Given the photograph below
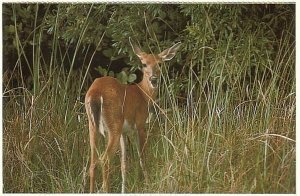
112, 106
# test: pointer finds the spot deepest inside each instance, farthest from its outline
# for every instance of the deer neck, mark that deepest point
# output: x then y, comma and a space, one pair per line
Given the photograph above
149, 93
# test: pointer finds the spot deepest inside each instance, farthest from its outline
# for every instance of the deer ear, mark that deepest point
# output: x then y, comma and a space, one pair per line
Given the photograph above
169, 53
135, 48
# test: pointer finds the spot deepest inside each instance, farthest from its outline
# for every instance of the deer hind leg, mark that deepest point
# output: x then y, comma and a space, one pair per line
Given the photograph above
93, 156
92, 110
112, 146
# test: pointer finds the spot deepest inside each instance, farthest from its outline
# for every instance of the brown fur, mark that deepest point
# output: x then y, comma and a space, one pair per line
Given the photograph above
114, 103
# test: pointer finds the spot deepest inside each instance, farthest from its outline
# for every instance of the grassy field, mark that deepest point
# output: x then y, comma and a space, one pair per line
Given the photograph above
237, 140
233, 131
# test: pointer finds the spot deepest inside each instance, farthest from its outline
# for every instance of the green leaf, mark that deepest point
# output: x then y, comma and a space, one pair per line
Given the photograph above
122, 77
101, 70
131, 78
11, 29
111, 73
108, 52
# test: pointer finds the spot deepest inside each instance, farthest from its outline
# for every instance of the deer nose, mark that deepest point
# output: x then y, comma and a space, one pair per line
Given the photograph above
154, 81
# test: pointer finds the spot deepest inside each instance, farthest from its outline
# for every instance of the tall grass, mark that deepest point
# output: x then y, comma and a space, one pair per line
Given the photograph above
221, 142
238, 139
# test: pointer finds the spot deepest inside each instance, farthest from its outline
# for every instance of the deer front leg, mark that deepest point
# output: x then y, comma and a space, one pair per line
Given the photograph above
123, 162
141, 151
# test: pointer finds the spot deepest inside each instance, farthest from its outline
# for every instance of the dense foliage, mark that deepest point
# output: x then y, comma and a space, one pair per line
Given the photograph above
205, 31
